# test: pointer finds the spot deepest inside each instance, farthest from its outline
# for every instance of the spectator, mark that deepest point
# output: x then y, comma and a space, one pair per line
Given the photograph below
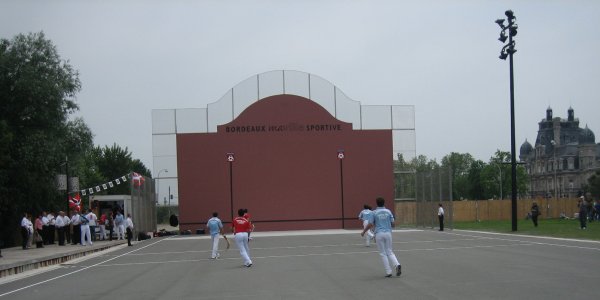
535, 212
129, 224
582, 213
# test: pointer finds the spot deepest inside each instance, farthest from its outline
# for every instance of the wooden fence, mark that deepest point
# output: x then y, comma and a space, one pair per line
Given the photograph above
483, 210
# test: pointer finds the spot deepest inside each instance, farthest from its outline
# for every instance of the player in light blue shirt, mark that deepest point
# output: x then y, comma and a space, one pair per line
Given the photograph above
382, 221
365, 216
215, 227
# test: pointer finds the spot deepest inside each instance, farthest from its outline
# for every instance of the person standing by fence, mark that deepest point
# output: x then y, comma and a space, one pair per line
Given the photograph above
441, 217
582, 213
535, 212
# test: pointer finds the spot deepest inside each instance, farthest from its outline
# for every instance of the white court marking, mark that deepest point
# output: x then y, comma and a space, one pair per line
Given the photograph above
77, 271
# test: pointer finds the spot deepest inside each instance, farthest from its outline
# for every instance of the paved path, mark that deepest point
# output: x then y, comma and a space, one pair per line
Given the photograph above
331, 264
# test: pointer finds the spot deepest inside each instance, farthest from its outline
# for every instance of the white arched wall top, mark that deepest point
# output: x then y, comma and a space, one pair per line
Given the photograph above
166, 123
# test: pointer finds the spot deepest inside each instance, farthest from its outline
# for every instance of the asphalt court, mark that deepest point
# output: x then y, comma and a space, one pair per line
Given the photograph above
329, 264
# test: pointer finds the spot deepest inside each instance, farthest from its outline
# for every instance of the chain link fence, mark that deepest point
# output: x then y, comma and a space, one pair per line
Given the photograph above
431, 189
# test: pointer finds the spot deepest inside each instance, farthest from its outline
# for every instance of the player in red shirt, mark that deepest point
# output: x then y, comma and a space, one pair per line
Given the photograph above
241, 227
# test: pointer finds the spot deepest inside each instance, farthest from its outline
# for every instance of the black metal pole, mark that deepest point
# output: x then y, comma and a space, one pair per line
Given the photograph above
231, 188
513, 158
67, 175
342, 187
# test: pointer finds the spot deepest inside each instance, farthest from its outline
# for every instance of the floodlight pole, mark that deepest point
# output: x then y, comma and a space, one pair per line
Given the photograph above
509, 49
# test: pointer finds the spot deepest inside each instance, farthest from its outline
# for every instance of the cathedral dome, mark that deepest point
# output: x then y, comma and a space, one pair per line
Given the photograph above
526, 148
586, 136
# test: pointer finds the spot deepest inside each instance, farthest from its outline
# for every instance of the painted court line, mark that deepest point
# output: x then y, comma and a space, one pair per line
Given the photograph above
76, 271
320, 254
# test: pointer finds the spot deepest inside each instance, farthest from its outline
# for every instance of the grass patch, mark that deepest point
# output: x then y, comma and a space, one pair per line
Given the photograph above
546, 227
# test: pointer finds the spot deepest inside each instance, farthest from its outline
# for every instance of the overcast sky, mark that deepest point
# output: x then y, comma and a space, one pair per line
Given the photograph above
441, 56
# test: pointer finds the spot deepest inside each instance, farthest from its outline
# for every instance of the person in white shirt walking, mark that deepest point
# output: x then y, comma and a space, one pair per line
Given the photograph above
129, 224
441, 217
382, 221
215, 227
365, 215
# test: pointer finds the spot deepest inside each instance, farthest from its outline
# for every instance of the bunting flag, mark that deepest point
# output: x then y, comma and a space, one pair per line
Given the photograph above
75, 202
138, 179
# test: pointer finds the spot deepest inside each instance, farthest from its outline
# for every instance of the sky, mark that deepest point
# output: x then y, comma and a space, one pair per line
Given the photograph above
440, 56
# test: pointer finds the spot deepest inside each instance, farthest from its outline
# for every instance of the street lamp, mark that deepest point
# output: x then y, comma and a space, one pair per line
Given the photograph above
507, 51
158, 183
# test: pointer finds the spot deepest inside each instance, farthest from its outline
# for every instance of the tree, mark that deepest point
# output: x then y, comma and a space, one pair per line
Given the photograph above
459, 164
109, 163
593, 185
37, 89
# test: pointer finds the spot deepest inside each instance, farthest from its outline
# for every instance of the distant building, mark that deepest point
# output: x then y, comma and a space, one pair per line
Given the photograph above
563, 158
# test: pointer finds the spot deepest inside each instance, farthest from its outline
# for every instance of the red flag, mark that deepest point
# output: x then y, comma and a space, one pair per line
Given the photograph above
75, 202
138, 179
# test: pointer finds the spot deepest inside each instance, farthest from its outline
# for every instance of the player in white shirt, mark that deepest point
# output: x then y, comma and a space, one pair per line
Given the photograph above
215, 227
365, 216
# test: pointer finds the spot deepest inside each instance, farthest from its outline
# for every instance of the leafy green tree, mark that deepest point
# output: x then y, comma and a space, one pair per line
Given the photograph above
475, 187
459, 164
109, 163
593, 185
37, 89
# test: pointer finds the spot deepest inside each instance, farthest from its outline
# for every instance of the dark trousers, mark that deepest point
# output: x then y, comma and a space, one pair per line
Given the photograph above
534, 218
68, 233
129, 236
93, 232
76, 235
46, 234
110, 231
24, 236
61, 235
583, 219
441, 219
51, 233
